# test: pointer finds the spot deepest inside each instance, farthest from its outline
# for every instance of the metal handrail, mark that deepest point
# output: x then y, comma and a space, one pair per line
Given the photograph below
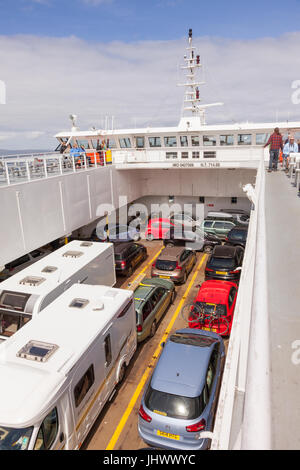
243, 419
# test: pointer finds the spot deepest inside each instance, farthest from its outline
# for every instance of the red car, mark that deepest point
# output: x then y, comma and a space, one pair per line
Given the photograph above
157, 228
213, 308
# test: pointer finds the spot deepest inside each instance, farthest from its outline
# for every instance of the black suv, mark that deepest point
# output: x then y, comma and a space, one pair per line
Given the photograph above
237, 236
225, 263
127, 256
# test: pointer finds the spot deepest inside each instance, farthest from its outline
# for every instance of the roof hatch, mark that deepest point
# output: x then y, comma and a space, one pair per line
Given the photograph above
37, 351
32, 281
73, 254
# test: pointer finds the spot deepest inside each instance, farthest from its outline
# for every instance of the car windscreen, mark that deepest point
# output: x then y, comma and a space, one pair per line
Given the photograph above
165, 265
219, 263
15, 439
10, 323
174, 406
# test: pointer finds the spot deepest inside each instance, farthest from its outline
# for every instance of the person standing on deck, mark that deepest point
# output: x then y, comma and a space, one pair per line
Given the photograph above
276, 143
290, 147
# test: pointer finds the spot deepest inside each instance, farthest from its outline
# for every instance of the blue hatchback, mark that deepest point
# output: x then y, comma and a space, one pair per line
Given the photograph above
181, 397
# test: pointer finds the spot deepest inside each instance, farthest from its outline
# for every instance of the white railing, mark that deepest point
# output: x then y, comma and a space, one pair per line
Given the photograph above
243, 419
16, 169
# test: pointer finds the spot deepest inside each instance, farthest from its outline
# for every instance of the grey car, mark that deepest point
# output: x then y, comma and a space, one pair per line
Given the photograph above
180, 399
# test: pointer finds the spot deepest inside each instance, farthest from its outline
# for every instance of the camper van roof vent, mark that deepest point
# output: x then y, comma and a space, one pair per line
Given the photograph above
79, 303
49, 269
37, 351
32, 281
86, 244
73, 254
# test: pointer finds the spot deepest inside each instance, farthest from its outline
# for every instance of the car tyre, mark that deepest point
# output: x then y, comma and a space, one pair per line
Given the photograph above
152, 329
122, 373
207, 249
130, 271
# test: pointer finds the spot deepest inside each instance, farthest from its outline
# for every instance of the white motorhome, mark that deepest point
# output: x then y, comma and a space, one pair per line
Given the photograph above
69, 361
32, 289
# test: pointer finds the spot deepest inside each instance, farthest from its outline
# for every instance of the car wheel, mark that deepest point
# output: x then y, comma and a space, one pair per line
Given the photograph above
207, 249
184, 278
130, 271
153, 329
173, 295
149, 237
122, 373
170, 244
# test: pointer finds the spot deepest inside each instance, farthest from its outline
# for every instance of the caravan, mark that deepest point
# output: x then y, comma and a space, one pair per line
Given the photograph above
69, 361
32, 289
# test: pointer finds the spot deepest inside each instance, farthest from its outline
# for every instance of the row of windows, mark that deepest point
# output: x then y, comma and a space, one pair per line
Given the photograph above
173, 141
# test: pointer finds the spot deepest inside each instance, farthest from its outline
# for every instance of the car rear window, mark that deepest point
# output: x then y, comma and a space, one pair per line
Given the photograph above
165, 265
238, 234
174, 406
208, 309
221, 262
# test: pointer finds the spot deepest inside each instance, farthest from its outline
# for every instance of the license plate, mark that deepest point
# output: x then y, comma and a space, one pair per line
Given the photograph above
168, 435
214, 330
164, 277
221, 272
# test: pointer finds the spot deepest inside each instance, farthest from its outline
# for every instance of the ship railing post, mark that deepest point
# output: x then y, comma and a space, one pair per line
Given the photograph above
95, 159
27, 170
7, 173
45, 167
73, 163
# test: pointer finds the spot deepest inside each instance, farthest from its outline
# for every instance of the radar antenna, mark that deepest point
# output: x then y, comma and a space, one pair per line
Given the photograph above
192, 98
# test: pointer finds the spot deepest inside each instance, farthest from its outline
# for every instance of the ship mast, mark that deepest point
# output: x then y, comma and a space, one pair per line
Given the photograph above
192, 98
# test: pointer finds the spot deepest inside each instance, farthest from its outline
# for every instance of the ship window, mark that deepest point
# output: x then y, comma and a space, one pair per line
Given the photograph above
140, 142
183, 141
196, 155
154, 142
83, 143
171, 155
125, 142
195, 140
209, 140
37, 351
244, 139
184, 154
209, 154
226, 139
262, 138
111, 143
170, 141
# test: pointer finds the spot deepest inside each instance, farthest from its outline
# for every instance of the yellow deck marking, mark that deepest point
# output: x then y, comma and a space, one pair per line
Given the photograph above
132, 283
150, 367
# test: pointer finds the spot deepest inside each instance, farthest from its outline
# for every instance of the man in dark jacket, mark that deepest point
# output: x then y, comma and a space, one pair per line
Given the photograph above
276, 143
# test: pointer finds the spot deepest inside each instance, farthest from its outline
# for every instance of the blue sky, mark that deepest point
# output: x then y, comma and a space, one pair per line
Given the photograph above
138, 20
120, 58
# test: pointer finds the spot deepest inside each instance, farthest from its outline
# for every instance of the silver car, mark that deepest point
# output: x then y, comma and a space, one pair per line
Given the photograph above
180, 399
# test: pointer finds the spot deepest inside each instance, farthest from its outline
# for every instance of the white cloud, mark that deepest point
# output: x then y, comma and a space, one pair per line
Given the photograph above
49, 78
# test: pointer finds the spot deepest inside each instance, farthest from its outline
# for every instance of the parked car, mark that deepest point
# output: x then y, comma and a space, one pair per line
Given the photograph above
116, 233
157, 228
187, 220
18, 264
174, 263
213, 307
213, 215
196, 240
220, 228
152, 298
237, 236
180, 399
225, 263
128, 256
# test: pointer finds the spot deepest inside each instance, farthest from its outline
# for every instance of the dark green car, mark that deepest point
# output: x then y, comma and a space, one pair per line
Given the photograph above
220, 228
152, 298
